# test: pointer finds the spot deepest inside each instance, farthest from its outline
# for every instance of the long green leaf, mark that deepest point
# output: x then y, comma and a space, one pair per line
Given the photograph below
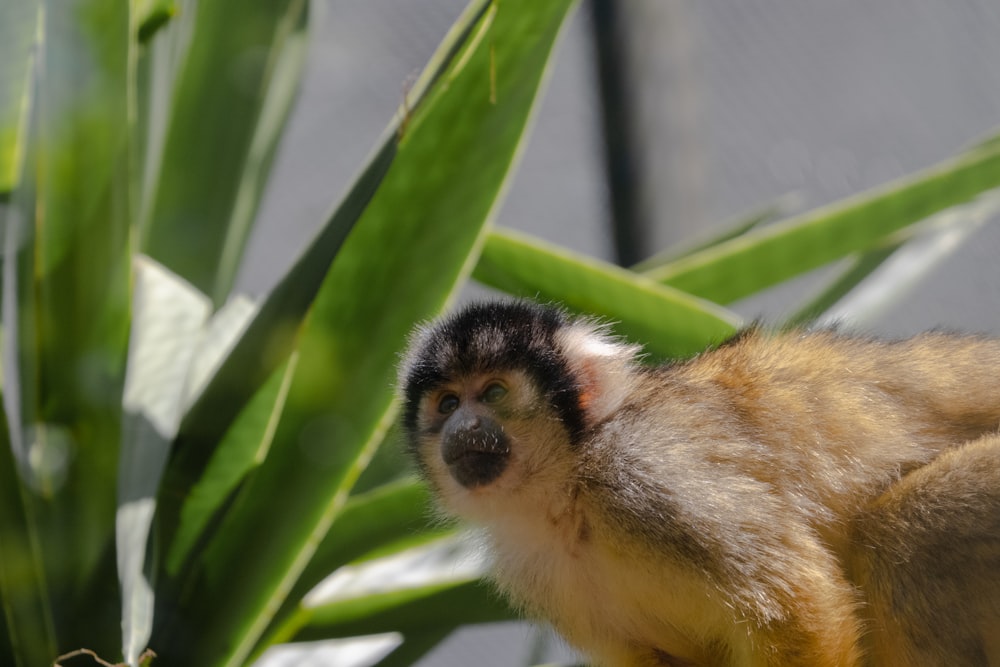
729, 230
669, 322
271, 336
66, 297
339, 403
168, 319
860, 268
384, 520
244, 446
762, 258
380, 522
237, 84
910, 265
27, 614
266, 342
19, 20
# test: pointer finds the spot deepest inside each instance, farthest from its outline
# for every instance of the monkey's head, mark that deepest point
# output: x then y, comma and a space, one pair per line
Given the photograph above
501, 395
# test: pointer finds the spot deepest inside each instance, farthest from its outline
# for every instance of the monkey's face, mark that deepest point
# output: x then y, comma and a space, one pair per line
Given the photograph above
497, 397
483, 431
473, 443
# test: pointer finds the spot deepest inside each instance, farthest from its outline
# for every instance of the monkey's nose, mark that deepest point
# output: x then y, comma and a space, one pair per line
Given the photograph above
470, 422
476, 450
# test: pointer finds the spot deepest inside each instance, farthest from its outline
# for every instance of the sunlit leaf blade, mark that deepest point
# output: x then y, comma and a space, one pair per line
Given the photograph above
441, 188
234, 91
66, 309
26, 614
759, 259
18, 30
730, 230
670, 323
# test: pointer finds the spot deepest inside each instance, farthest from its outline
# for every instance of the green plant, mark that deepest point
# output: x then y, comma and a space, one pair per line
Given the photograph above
180, 467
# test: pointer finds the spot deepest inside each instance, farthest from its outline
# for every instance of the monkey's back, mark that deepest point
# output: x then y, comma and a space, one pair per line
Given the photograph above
758, 462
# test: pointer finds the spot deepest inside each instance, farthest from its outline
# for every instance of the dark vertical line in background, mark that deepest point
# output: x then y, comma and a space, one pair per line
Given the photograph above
620, 155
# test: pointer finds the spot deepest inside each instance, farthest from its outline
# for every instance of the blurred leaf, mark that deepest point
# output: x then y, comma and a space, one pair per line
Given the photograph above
866, 263
153, 15
158, 66
860, 268
271, 335
429, 608
19, 20
384, 521
266, 343
905, 270
988, 144
168, 317
233, 94
415, 646
762, 258
391, 464
669, 322
66, 297
422, 228
244, 446
27, 616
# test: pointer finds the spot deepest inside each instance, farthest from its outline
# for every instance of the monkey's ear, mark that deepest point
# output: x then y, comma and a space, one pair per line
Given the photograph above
601, 366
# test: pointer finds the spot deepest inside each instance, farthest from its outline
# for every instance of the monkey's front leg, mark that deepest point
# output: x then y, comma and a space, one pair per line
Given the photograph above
817, 628
927, 559
800, 611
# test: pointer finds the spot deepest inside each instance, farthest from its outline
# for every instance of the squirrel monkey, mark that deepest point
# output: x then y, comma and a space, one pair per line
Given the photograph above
795, 499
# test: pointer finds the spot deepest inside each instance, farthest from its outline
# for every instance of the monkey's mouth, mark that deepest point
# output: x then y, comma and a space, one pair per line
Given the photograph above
476, 461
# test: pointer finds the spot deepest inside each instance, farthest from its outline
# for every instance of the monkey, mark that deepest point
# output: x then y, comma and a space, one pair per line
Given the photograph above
783, 499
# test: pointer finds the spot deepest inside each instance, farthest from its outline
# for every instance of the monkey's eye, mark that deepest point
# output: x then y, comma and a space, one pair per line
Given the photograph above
448, 404
494, 392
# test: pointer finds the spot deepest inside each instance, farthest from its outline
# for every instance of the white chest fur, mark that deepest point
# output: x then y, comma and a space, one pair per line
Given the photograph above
610, 598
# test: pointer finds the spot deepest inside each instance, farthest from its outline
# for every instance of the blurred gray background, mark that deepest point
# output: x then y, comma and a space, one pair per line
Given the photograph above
735, 104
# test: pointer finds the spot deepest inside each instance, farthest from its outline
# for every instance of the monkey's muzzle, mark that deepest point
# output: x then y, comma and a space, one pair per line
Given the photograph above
475, 448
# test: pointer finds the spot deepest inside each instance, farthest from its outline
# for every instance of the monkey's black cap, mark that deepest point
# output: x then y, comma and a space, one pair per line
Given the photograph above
490, 337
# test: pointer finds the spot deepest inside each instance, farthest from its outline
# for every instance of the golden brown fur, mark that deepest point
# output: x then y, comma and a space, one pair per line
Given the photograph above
790, 499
